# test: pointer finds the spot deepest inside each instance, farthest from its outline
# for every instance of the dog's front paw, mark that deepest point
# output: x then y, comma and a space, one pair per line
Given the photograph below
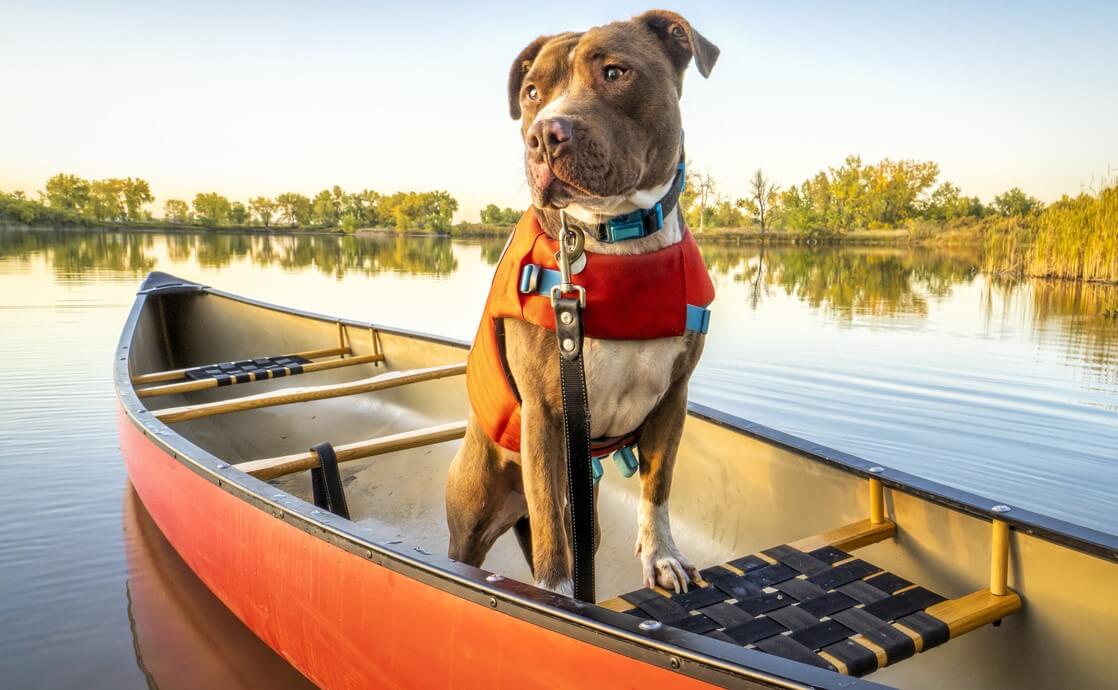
667, 568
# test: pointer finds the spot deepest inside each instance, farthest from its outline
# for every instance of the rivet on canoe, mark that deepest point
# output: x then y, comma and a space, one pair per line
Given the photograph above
222, 465
493, 602
877, 469
675, 662
650, 625
1001, 508
494, 577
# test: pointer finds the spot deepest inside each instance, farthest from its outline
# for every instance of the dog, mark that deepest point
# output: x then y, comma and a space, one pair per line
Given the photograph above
601, 124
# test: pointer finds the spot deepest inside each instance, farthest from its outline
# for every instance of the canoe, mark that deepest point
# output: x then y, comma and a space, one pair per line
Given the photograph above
820, 569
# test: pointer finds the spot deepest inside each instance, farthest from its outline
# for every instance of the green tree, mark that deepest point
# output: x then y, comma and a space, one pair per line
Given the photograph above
263, 208
67, 192
493, 215
176, 211
212, 209
136, 194
1016, 203
106, 201
238, 214
326, 207
419, 210
295, 208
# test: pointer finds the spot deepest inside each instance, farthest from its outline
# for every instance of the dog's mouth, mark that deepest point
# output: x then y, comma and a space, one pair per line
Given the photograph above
553, 187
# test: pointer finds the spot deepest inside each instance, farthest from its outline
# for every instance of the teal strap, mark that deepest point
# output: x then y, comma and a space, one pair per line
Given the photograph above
625, 460
537, 280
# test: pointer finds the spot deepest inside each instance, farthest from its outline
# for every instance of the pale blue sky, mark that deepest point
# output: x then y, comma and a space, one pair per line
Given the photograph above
262, 98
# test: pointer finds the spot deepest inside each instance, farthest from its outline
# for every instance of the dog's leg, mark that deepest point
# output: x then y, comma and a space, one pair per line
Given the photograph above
523, 530
661, 562
484, 497
545, 488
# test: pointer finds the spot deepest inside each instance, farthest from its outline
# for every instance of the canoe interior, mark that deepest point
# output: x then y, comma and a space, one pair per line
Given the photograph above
733, 493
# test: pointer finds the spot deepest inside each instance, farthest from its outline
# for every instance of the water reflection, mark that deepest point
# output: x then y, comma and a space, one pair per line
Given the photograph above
75, 252
183, 636
846, 281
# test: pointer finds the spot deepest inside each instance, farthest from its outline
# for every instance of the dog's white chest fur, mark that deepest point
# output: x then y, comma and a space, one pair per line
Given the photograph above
626, 379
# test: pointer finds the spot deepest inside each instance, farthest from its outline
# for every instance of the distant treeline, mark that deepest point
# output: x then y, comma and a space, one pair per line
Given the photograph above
71, 200
838, 200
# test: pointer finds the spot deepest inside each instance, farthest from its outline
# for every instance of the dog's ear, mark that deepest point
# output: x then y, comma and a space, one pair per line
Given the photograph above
681, 41
520, 67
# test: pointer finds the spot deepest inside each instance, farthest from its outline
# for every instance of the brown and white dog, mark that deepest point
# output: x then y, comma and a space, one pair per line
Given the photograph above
601, 126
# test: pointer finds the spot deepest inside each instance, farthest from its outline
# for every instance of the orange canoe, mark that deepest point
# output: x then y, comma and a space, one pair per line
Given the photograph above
222, 396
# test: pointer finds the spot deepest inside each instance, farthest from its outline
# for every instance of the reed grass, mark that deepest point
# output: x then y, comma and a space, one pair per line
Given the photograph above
1074, 238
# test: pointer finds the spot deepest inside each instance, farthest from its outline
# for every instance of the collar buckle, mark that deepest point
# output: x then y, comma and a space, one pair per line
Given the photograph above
632, 226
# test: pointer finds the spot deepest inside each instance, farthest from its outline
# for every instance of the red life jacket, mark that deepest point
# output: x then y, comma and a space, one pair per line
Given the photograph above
636, 297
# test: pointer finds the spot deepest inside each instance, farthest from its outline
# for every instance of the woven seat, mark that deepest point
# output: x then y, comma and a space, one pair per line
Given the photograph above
819, 605
249, 369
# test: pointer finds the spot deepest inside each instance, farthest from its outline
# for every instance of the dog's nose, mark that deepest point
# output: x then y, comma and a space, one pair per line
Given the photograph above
552, 135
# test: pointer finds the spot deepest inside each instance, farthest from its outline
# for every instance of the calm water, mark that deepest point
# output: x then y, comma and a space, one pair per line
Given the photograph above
910, 358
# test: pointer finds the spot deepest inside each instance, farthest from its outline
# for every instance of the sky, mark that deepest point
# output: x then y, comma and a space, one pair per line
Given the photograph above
250, 98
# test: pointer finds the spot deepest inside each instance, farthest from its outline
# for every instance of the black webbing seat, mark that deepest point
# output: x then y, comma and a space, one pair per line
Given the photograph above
247, 370
822, 607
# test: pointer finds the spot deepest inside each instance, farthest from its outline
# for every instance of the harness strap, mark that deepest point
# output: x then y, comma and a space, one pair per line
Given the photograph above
576, 436
537, 280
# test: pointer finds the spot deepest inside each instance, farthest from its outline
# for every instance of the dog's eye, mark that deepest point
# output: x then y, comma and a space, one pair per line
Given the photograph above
533, 94
613, 72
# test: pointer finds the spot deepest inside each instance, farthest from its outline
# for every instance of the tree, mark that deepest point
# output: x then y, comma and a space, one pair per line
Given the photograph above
105, 201
493, 215
176, 211
762, 197
295, 207
1016, 203
212, 208
263, 208
419, 210
325, 207
238, 214
67, 192
136, 195
700, 187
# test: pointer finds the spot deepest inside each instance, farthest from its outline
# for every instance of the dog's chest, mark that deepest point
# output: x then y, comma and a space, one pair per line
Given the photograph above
625, 379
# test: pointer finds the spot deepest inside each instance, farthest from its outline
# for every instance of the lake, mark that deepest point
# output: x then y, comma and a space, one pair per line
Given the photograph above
909, 357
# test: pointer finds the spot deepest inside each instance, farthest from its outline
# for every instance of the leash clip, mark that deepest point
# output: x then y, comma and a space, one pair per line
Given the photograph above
571, 242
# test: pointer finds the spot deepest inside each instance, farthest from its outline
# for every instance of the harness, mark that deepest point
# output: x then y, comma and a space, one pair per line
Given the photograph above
656, 295
659, 294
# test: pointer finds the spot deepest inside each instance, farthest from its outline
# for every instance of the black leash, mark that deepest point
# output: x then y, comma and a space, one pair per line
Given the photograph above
568, 300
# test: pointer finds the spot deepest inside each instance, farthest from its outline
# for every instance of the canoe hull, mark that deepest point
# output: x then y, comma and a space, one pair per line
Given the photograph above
343, 621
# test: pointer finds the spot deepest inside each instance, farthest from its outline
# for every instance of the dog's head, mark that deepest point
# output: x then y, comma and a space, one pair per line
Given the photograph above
599, 110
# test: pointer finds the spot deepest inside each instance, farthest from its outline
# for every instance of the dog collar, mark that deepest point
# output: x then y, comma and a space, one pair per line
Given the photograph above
642, 222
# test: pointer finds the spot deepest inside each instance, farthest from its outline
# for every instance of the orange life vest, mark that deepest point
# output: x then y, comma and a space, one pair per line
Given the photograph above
639, 297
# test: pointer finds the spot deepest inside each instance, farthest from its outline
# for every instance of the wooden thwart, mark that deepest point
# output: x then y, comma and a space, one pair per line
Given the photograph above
261, 375
179, 374
975, 610
270, 468
308, 393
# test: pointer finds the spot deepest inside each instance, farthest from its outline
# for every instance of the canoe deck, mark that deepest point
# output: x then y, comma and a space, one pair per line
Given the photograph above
811, 601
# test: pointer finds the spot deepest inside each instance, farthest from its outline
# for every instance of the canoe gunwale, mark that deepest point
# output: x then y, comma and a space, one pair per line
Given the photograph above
702, 658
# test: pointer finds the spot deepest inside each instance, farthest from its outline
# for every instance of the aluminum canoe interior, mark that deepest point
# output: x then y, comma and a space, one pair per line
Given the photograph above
739, 489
